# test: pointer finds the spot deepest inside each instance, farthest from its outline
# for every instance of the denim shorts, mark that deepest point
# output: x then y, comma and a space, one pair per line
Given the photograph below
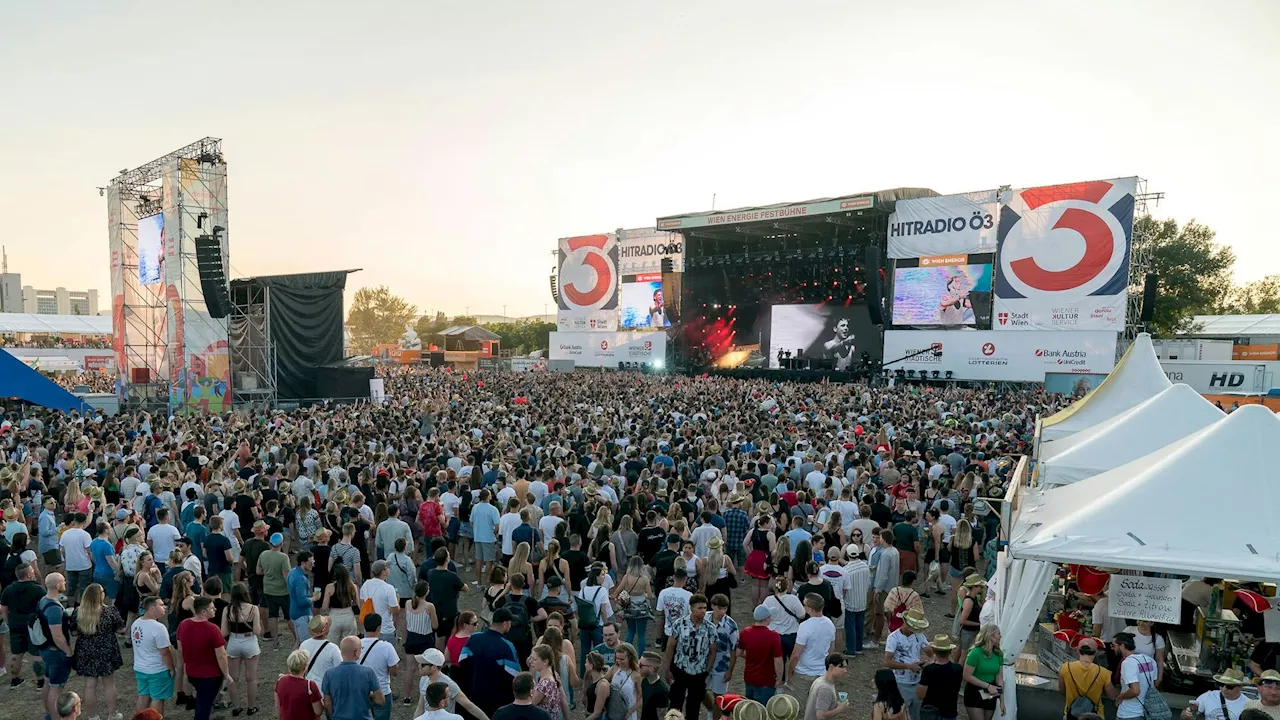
57, 666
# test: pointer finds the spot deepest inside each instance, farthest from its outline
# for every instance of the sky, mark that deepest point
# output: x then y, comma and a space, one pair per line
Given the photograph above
444, 146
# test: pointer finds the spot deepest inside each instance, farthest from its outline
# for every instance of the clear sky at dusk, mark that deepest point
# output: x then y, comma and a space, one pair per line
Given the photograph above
444, 146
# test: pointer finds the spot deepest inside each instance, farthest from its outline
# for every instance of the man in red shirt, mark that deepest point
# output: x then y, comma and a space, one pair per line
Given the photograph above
761, 651
204, 653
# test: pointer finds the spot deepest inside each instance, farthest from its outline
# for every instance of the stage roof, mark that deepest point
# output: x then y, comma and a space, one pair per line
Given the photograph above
470, 332
71, 324
881, 201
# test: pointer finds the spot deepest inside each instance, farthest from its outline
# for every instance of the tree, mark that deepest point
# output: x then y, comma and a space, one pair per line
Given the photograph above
427, 326
1193, 272
377, 317
1260, 297
523, 336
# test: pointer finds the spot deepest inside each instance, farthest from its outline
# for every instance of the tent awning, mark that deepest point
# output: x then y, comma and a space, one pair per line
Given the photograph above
1136, 377
55, 324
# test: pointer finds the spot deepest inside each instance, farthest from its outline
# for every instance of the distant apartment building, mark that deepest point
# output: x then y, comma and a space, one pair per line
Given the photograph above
58, 301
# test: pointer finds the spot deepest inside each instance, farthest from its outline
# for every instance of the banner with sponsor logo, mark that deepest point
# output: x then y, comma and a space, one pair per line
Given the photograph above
528, 364
641, 250
607, 349
962, 224
1063, 257
993, 355
588, 280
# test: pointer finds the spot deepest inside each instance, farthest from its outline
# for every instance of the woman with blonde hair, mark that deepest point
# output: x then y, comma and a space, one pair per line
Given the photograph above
97, 652
73, 500
982, 675
562, 653
625, 541
551, 566
787, 613
180, 608
298, 698
716, 574
520, 562
634, 595
961, 555
624, 678
548, 691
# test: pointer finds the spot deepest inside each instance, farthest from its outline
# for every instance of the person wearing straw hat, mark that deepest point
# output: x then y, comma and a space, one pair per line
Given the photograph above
1268, 694
1225, 703
902, 656
748, 709
782, 707
940, 680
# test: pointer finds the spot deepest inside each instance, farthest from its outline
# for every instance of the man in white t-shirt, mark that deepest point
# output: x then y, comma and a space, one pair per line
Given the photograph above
1137, 672
507, 525
152, 659
814, 640
379, 655
1225, 703
75, 556
318, 642
163, 537
539, 488
550, 522
386, 602
902, 655
673, 602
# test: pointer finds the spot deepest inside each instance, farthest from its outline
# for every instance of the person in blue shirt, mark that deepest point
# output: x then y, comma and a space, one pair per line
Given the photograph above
301, 594
484, 530
493, 662
105, 561
350, 688
196, 531
48, 528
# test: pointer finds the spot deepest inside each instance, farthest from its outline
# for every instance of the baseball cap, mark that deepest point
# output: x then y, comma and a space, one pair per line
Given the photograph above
762, 613
121, 514
431, 657
852, 551
276, 539
378, 567
184, 540
673, 538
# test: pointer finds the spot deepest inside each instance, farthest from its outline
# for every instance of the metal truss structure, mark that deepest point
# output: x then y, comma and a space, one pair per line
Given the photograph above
253, 355
1140, 263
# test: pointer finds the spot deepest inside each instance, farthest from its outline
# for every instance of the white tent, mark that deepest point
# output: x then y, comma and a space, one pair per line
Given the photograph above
1209, 507
1145, 428
1135, 378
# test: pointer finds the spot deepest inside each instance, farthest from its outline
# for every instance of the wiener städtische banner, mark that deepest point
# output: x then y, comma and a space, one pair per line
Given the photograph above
962, 224
995, 355
607, 349
588, 282
1062, 258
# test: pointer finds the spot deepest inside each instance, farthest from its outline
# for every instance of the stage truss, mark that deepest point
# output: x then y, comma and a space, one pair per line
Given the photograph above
163, 335
253, 355
1139, 265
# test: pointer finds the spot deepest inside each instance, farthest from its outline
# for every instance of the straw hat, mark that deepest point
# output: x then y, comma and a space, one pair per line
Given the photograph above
782, 707
342, 497
1266, 675
916, 620
748, 710
764, 508
737, 498
1230, 676
974, 580
715, 543
942, 642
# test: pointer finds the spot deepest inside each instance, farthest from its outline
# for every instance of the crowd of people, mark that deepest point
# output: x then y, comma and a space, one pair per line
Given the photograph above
56, 342
517, 546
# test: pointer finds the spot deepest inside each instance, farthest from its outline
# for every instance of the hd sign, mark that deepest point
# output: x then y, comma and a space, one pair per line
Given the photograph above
1000, 356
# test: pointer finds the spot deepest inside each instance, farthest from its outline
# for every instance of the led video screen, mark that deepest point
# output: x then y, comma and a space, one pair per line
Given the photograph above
151, 250
827, 331
644, 306
941, 291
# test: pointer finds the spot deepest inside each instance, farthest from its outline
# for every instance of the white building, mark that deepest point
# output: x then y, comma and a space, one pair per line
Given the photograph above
59, 301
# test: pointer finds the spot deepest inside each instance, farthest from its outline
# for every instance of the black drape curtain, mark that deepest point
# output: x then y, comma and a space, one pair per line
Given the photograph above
306, 328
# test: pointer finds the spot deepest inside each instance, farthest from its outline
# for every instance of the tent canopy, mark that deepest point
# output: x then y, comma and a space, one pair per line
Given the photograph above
1166, 418
470, 332
55, 324
1136, 377
1208, 508
20, 381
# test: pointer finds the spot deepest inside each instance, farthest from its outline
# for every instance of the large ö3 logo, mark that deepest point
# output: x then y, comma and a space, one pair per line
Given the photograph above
588, 278
1066, 241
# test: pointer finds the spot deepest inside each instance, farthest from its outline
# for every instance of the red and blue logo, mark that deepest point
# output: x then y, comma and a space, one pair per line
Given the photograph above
1065, 241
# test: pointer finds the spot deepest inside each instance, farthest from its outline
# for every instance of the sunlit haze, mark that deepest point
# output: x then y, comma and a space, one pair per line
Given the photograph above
443, 147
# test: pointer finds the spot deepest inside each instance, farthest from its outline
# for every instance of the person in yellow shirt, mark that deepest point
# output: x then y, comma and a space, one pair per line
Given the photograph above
1083, 680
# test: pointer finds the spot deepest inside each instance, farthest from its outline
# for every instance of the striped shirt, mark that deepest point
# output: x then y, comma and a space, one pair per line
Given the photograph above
857, 581
347, 555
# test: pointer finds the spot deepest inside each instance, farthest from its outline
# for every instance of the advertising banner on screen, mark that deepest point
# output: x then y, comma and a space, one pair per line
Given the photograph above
947, 225
943, 290
1063, 257
641, 250
826, 331
993, 355
588, 278
603, 349
528, 364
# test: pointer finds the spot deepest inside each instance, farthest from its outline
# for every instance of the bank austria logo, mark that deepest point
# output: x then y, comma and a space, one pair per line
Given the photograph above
1065, 242
588, 272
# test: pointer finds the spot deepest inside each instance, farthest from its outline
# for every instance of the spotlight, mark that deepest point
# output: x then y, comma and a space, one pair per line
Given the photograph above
658, 364
949, 374
911, 373
936, 374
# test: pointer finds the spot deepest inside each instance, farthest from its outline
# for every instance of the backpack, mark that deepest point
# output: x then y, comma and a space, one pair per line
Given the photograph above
1154, 706
366, 609
153, 504
38, 632
616, 705
895, 617
1082, 704
521, 631
587, 617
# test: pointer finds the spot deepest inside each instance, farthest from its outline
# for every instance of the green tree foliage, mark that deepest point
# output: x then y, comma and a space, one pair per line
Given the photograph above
523, 336
1260, 297
1193, 272
376, 317
427, 326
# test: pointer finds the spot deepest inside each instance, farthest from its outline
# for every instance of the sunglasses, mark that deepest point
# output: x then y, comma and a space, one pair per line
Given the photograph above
1269, 683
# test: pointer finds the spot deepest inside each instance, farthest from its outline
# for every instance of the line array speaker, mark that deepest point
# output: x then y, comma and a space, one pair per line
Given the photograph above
213, 277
